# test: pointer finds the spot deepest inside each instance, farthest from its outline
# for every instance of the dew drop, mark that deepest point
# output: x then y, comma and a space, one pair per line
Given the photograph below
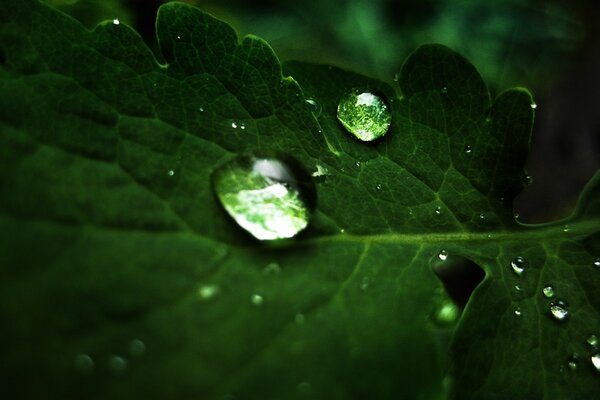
396, 77
137, 348
314, 107
84, 364
592, 340
548, 291
482, 216
566, 228
447, 313
378, 186
518, 311
117, 365
559, 310
468, 149
596, 361
573, 361
533, 105
207, 292
178, 37
234, 125
597, 262
518, 288
116, 21
444, 90
299, 318
201, 109
170, 172
272, 269
364, 114
242, 126
438, 210
364, 285
443, 255
264, 196
257, 300
518, 265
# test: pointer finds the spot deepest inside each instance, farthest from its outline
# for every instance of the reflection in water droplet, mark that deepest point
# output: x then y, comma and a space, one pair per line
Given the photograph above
257, 299
548, 291
573, 361
299, 318
596, 361
443, 255
263, 196
559, 310
364, 114
117, 364
207, 292
137, 348
592, 340
84, 364
518, 311
518, 265
116, 21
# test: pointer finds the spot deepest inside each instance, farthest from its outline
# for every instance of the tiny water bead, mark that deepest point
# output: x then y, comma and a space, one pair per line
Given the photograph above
447, 313
597, 262
116, 21
264, 196
559, 310
443, 255
548, 291
533, 106
84, 364
170, 172
364, 285
468, 149
272, 269
364, 114
518, 288
137, 348
518, 311
117, 364
299, 318
518, 265
314, 107
207, 292
573, 361
257, 300
438, 210
592, 340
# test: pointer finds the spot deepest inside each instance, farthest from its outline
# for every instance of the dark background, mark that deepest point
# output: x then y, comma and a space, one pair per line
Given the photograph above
550, 47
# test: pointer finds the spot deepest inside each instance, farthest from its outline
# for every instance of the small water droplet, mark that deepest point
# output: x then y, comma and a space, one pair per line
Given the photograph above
342, 230
516, 215
364, 285
468, 149
357, 164
257, 299
566, 228
518, 288
264, 196
482, 216
518, 311
207, 292
242, 126
201, 109
438, 210
170, 172
573, 361
117, 364
84, 364
443, 255
548, 291
447, 313
596, 361
533, 105
116, 21
518, 265
592, 340
272, 269
378, 186
364, 115
137, 348
597, 262
444, 90
234, 125
559, 310
304, 389
299, 318
314, 107
396, 77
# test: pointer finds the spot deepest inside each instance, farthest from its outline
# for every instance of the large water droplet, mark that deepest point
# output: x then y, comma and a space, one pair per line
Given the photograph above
559, 310
518, 265
548, 291
207, 292
137, 348
257, 299
117, 364
84, 364
364, 114
264, 196
592, 340
596, 361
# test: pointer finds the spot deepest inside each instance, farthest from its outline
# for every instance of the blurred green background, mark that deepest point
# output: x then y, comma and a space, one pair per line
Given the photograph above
551, 47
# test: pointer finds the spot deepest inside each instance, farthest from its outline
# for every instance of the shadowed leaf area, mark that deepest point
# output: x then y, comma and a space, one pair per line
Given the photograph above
124, 277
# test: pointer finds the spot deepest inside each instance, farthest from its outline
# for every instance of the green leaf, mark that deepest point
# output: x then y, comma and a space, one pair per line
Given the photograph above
112, 235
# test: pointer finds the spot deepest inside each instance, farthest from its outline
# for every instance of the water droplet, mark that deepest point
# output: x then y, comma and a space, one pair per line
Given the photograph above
178, 37
447, 313
596, 361
468, 149
592, 340
257, 299
357, 164
444, 90
364, 285
207, 292
303, 389
559, 310
443, 255
378, 186
299, 318
314, 107
516, 215
264, 196
84, 364
548, 291
482, 216
597, 262
234, 125
518, 288
573, 361
201, 109
364, 114
438, 210
170, 172
518, 265
116, 21
396, 77
342, 230
533, 105
242, 126
518, 311
566, 228
137, 348
272, 269
117, 364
